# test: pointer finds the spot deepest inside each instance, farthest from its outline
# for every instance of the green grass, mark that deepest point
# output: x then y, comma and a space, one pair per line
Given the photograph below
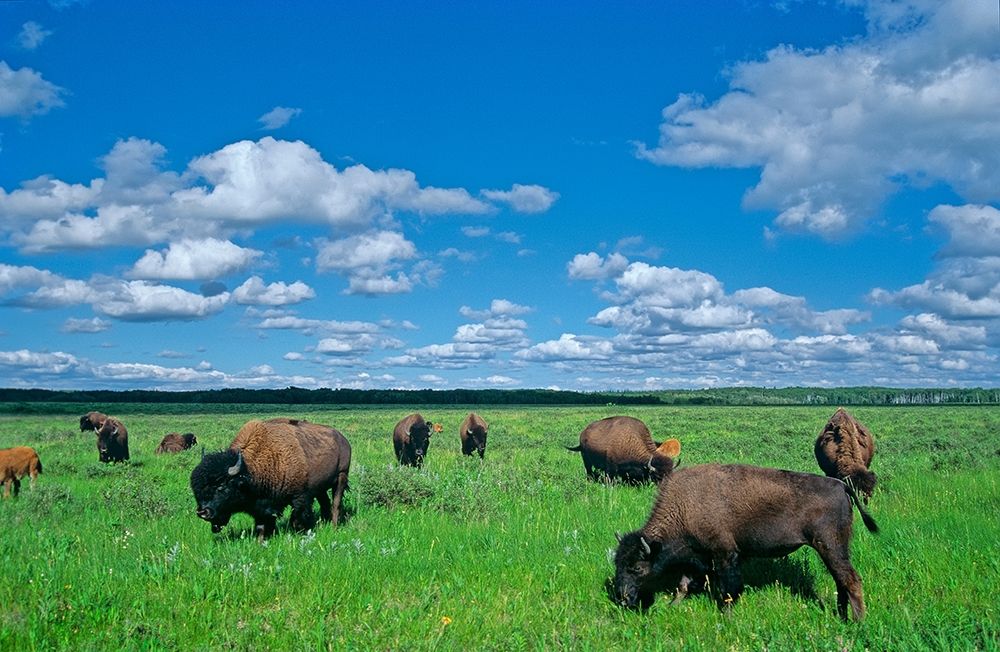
511, 553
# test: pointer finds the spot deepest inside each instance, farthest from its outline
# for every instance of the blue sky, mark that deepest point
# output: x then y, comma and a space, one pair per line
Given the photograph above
499, 195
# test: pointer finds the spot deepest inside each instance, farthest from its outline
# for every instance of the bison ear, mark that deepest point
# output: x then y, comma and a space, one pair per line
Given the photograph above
235, 468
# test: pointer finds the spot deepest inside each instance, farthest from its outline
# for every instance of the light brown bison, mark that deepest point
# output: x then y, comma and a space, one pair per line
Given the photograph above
707, 518
410, 439
473, 433
175, 442
270, 465
112, 441
15, 463
844, 450
92, 421
622, 448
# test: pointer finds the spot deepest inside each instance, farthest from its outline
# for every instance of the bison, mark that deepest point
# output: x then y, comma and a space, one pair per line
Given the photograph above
15, 463
92, 421
844, 450
473, 434
622, 447
270, 465
175, 442
112, 441
706, 518
410, 439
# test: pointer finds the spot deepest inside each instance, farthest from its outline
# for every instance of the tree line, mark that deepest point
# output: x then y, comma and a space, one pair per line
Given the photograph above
343, 396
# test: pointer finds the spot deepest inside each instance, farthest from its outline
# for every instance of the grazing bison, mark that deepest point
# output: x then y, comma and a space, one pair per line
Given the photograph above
15, 463
270, 465
621, 447
112, 441
706, 518
175, 442
410, 439
92, 421
844, 450
473, 434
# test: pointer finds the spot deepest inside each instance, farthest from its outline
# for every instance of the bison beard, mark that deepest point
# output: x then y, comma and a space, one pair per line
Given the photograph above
755, 512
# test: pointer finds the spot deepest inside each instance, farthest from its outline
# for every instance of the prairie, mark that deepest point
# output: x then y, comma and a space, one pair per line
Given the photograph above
507, 553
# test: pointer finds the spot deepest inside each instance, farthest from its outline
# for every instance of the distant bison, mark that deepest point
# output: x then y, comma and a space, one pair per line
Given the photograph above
270, 465
92, 421
411, 437
175, 442
844, 450
112, 441
622, 448
705, 518
15, 463
473, 435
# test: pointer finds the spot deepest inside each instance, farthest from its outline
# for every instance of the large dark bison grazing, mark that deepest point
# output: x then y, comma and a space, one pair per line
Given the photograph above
112, 441
411, 437
707, 518
92, 421
844, 450
473, 433
270, 465
15, 463
175, 442
622, 448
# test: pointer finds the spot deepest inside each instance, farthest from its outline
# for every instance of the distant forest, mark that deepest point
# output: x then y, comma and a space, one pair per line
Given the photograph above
722, 396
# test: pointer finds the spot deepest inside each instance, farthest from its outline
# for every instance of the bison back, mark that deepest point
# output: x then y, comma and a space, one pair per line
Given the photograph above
619, 440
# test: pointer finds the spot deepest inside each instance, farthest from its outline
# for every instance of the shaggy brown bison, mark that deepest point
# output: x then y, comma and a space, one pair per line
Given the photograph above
112, 441
270, 465
473, 433
92, 421
622, 448
15, 463
411, 437
707, 518
175, 442
844, 450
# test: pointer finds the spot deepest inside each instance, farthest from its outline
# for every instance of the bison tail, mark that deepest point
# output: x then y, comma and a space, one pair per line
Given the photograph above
38, 464
866, 517
574, 449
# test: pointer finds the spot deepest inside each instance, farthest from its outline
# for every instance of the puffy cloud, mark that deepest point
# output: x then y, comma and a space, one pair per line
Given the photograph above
310, 325
254, 292
93, 325
946, 334
568, 347
973, 230
13, 277
367, 260
143, 301
278, 117
524, 199
836, 131
31, 35
498, 308
194, 260
24, 93
25, 361
592, 266
960, 288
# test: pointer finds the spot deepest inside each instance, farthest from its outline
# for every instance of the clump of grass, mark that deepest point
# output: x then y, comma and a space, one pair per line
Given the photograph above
391, 487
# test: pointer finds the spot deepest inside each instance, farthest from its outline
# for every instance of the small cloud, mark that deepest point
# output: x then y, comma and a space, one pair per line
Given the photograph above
524, 198
167, 353
278, 117
95, 325
31, 35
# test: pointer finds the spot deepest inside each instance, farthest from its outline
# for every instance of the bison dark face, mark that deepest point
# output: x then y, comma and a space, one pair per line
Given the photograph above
108, 448
220, 485
420, 439
633, 584
189, 440
477, 434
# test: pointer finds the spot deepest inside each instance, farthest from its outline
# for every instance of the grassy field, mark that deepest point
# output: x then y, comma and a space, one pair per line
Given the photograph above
506, 554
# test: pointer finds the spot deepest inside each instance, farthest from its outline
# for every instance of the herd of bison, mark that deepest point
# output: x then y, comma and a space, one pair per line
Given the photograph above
704, 519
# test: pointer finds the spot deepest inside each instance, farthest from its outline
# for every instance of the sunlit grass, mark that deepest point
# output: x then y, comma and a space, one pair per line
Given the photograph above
508, 553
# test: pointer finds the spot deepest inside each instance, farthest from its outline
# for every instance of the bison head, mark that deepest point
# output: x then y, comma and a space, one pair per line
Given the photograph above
633, 586
420, 439
189, 440
477, 435
220, 484
664, 459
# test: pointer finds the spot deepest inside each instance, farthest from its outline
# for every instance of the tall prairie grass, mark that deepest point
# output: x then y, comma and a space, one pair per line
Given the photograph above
505, 554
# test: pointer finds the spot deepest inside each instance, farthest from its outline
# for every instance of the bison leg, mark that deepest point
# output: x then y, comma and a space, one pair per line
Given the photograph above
302, 515
338, 496
838, 562
729, 579
264, 526
6, 487
325, 512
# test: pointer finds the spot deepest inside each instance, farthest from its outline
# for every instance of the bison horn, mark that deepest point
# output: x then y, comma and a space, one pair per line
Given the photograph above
618, 535
235, 468
645, 546
649, 465
202, 452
